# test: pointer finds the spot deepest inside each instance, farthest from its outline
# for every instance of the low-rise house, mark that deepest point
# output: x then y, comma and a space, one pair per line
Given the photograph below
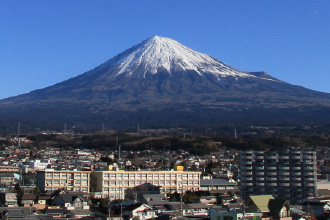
28, 199
78, 214
259, 207
55, 212
139, 210
180, 206
8, 199
199, 208
268, 206
218, 186
208, 200
8, 179
153, 199
70, 201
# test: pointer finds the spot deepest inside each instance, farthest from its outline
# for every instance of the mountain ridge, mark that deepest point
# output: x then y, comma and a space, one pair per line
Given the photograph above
162, 78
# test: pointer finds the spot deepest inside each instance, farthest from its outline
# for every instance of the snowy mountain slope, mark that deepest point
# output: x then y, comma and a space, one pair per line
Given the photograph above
159, 54
164, 82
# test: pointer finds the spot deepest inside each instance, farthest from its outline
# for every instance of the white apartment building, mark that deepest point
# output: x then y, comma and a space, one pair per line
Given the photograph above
289, 175
114, 184
78, 181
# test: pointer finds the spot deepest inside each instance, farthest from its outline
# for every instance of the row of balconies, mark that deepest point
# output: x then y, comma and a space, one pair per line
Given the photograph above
149, 178
67, 177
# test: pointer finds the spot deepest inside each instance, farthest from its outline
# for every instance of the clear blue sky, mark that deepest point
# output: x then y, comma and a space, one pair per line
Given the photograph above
46, 42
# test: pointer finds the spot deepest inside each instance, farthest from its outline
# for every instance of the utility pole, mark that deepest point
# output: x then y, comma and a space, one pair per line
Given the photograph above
109, 209
119, 153
18, 134
181, 200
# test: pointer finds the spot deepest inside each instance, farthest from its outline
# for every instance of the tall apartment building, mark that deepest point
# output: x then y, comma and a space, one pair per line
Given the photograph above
114, 184
78, 181
290, 175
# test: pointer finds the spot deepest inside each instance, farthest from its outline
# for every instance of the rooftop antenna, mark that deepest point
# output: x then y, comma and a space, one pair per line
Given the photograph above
235, 134
119, 153
64, 128
117, 140
18, 133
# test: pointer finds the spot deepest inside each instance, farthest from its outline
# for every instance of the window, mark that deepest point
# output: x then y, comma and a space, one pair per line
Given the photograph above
106, 176
84, 182
85, 175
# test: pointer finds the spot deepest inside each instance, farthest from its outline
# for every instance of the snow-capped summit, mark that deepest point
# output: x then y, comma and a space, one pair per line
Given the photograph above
161, 83
158, 54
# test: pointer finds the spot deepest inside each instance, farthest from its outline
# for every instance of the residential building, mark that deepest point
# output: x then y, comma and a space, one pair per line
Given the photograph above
78, 181
8, 199
9, 169
139, 211
8, 179
70, 200
219, 186
258, 207
115, 184
289, 175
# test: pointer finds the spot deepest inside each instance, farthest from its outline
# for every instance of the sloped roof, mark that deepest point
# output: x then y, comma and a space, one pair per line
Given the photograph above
261, 201
28, 196
155, 199
216, 182
275, 205
133, 206
198, 206
70, 197
7, 175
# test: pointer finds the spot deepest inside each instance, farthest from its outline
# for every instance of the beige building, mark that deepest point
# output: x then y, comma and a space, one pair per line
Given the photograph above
78, 181
115, 184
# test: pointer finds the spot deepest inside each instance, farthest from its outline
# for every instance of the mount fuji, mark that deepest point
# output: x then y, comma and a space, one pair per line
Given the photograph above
161, 83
